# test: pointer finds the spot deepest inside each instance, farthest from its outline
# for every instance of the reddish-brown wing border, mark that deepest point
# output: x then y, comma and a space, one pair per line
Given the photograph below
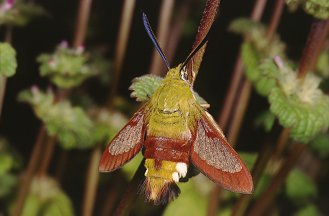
240, 181
128, 142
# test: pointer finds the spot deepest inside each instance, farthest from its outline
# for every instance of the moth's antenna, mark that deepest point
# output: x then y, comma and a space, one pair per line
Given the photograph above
196, 49
154, 40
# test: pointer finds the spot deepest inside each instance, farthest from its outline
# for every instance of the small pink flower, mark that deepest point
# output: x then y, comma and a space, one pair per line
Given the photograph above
63, 44
80, 49
7, 5
278, 61
52, 63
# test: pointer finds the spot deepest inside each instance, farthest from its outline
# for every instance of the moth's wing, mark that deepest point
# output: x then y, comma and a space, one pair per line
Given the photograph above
125, 145
215, 158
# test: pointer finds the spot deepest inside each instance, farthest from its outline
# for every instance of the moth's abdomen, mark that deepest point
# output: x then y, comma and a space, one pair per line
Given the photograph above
161, 177
166, 162
168, 149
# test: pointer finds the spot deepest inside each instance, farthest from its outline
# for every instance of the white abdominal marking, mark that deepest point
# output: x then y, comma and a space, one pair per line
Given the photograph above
175, 176
181, 169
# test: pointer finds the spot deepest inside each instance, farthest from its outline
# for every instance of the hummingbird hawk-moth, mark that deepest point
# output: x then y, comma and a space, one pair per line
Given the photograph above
175, 132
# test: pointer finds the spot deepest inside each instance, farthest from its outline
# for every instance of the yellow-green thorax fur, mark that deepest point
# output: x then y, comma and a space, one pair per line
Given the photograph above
171, 107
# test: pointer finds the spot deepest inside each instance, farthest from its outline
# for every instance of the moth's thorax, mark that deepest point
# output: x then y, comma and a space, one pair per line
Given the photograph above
170, 112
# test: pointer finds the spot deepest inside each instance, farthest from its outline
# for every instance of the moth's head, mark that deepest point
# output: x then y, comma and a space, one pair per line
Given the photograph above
177, 73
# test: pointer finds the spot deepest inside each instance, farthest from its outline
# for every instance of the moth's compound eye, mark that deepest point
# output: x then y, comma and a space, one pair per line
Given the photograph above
183, 74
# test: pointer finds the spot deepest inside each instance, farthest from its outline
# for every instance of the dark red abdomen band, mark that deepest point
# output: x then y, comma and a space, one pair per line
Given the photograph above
168, 149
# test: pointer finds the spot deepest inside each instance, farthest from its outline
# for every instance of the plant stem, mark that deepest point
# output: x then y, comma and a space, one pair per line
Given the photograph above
281, 143
61, 163
243, 98
244, 95
111, 196
46, 156
277, 12
91, 183
230, 98
29, 173
208, 18
157, 67
268, 195
3, 81
120, 50
238, 72
315, 41
239, 112
82, 23
131, 192
176, 30
257, 171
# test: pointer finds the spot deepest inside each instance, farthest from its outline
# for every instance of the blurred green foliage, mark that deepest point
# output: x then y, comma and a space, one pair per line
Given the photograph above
317, 8
322, 66
265, 120
71, 125
47, 198
308, 210
9, 163
8, 63
66, 67
298, 103
299, 186
321, 145
191, 201
19, 13
255, 33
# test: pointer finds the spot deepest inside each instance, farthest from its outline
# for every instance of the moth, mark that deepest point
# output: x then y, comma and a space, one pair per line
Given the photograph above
175, 132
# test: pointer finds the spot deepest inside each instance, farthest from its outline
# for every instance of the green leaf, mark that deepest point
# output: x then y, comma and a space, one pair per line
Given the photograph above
71, 125
256, 35
243, 26
300, 105
190, 202
107, 124
263, 183
9, 162
321, 145
8, 62
299, 186
47, 198
267, 79
265, 120
322, 65
8, 182
32, 205
6, 163
248, 158
66, 67
59, 205
263, 72
251, 60
317, 8
308, 210
19, 13
130, 168
144, 87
